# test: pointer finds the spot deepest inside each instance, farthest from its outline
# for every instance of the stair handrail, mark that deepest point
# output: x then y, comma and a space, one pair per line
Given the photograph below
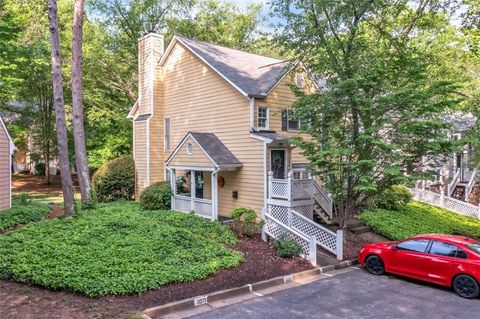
454, 182
318, 190
471, 183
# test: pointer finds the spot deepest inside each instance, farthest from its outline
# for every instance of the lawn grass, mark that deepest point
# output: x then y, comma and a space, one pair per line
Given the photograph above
418, 218
22, 213
116, 249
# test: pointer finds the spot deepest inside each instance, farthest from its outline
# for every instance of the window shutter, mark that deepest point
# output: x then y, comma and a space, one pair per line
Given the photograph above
284, 120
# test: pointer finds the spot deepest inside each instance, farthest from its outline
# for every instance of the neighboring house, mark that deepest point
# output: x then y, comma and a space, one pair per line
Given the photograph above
455, 175
215, 122
6, 152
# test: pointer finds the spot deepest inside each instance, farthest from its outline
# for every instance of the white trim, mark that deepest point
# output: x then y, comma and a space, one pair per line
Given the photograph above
148, 151
265, 175
133, 110
294, 65
179, 146
10, 175
192, 168
267, 119
252, 112
261, 138
12, 146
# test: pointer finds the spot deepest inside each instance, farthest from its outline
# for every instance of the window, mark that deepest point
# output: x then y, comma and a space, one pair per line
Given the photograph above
416, 245
299, 80
262, 119
189, 149
166, 134
475, 247
446, 249
288, 123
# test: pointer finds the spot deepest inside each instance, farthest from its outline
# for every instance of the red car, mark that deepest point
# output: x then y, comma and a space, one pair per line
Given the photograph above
447, 260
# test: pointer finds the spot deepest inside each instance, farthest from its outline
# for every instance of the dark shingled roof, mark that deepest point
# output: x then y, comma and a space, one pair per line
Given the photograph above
254, 74
217, 151
143, 117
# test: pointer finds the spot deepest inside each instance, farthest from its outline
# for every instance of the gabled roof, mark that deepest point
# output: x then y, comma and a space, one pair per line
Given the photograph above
251, 74
12, 146
213, 148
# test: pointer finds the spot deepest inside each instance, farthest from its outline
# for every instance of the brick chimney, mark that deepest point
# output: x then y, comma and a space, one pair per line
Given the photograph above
150, 50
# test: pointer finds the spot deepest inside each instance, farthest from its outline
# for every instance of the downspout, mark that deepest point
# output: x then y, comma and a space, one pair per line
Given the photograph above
265, 183
252, 112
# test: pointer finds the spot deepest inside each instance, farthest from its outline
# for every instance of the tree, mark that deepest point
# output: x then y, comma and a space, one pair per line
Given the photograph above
379, 114
77, 102
58, 102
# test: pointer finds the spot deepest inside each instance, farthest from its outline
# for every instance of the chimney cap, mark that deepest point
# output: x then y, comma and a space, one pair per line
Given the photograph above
151, 34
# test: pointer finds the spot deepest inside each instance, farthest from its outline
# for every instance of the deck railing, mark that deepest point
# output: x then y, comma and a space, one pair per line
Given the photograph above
202, 207
453, 184
471, 183
455, 205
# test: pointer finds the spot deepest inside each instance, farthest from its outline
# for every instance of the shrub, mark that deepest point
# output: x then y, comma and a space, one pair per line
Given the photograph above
116, 249
244, 221
23, 211
418, 218
286, 247
393, 197
156, 196
115, 180
40, 168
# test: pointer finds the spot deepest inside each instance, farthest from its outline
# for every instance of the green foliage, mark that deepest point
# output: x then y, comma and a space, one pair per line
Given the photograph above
156, 196
40, 168
23, 211
244, 221
393, 197
417, 218
116, 249
287, 247
115, 180
23, 199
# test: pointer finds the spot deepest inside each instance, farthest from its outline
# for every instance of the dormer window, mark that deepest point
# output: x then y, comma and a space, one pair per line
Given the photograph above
299, 80
263, 118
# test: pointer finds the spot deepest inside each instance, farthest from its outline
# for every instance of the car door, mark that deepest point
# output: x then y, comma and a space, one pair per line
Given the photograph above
443, 261
407, 258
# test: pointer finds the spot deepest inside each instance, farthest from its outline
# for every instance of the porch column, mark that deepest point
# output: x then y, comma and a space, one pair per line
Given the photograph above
173, 180
192, 190
214, 196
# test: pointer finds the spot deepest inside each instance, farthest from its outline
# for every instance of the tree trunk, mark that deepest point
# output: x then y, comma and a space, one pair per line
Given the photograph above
58, 103
77, 102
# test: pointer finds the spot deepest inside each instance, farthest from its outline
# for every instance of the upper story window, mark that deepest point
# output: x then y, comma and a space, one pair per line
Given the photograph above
262, 118
289, 123
299, 80
166, 141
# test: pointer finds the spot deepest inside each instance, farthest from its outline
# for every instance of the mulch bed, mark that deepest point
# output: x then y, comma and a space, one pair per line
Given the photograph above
353, 245
23, 301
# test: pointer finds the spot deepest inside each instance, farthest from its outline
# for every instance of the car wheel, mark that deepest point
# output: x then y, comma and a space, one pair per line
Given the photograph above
466, 286
374, 265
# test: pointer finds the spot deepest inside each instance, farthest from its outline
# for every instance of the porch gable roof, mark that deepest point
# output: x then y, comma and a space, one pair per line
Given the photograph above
211, 146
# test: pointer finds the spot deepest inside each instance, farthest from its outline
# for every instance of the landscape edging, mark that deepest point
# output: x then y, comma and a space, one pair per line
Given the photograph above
189, 303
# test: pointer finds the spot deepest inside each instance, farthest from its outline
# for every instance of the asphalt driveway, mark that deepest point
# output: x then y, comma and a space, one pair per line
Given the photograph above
354, 294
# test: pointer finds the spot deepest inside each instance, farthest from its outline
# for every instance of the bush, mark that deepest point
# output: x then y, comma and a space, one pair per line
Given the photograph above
116, 249
156, 196
40, 168
244, 222
418, 218
286, 247
115, 180
23, 211
393, 197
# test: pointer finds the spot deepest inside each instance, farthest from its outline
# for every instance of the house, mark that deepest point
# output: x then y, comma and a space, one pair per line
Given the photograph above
216, 123
455, 176
6, 152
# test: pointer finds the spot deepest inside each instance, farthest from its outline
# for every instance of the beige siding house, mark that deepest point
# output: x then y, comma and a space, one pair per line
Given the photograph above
215, 122
6, 153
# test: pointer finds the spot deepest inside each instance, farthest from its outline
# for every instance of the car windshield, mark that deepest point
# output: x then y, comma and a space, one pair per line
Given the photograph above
475, 247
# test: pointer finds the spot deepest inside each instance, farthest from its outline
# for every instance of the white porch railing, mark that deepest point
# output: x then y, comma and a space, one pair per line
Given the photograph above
323, 198
310, 231
455, 205
201, 207
453, 184
471, 183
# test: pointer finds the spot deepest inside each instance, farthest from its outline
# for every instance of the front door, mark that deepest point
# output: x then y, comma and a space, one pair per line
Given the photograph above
278, 164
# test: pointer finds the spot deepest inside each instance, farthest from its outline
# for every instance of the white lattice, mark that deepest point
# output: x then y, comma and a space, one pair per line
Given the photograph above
296, 221
301, 189
455, 205
182, 204
305, 210
275, 228
279, 188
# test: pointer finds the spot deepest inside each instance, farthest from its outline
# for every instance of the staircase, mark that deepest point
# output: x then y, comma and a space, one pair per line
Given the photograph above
322, 204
